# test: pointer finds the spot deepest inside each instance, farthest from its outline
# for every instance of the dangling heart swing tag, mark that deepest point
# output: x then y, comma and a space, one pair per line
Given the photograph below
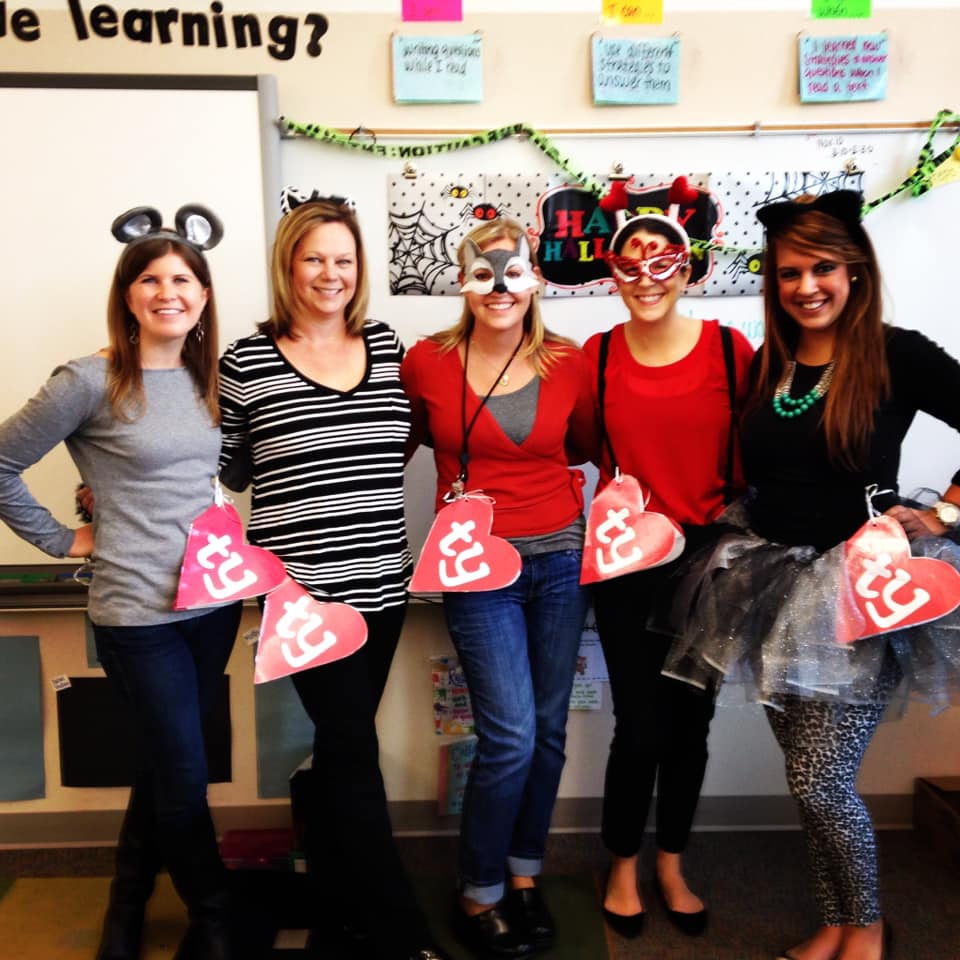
218, 567
622, 537
298, 632
883, 588
461, 555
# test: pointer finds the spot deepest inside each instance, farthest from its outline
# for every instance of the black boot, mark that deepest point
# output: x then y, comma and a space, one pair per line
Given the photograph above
198, 874
137, 863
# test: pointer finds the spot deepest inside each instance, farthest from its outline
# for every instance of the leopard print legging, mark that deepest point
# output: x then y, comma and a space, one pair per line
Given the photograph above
823, 745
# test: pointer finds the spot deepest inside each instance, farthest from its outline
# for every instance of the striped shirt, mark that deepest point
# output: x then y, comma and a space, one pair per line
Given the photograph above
327, 467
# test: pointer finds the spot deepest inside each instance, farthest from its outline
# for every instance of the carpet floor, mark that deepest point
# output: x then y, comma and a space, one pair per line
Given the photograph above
51, 902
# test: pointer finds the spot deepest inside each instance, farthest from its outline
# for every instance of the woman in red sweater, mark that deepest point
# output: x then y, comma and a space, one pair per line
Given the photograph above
507, 406
665, 383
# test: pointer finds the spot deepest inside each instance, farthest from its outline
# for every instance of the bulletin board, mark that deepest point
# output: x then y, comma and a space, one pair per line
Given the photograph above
914, 237
78, 151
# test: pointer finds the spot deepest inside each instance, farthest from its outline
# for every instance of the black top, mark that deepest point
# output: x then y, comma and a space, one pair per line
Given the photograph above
799, 497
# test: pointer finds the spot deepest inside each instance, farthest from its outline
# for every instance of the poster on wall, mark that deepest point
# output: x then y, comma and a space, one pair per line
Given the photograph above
843, 69
437, 69
430, 215
452, 712
635, 71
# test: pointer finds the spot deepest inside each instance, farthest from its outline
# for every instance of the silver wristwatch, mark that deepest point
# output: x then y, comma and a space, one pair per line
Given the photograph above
947, 513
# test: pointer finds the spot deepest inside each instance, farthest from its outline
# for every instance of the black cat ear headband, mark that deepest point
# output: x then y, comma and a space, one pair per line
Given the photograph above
291, 198
843, 205
196, 226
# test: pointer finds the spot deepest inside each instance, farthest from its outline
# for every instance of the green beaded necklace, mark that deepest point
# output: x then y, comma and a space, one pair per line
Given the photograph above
786, 406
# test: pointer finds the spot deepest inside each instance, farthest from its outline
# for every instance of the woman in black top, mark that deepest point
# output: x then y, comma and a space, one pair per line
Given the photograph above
835, 391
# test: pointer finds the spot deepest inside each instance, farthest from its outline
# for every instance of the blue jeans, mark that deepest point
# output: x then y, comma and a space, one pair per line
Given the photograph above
168, 673
518, 648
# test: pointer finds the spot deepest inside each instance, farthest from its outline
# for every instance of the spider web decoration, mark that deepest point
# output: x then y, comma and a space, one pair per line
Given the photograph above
418, 253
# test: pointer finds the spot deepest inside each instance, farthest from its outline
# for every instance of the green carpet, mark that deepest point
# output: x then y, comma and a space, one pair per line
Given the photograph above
58, 918
572, 900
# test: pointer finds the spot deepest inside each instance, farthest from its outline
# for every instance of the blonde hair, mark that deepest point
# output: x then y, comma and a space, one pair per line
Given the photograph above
542, 347
199, 354
290, 232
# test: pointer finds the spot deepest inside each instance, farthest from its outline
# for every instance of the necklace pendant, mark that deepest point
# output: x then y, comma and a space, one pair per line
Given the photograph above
504, 379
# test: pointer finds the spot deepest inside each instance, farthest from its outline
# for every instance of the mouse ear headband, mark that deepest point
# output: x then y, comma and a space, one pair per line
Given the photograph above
291, 198
843, 205
196, 226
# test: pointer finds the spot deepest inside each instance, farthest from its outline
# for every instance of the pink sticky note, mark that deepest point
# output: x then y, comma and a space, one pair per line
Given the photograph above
432, 9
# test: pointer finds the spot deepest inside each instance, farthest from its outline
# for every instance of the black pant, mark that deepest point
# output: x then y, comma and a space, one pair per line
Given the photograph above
350, 848
661, 724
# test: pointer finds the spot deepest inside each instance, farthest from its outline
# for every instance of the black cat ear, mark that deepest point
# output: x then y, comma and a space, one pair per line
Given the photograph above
199, 226
136, 223
292, 197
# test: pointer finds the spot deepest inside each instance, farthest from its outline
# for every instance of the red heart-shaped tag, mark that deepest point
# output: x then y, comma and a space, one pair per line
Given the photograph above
298, 632
884, 588
622, 537
682, 193
461, 555
218, 567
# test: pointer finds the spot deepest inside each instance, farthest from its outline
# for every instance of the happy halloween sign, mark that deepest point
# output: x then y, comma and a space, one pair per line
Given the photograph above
215, 27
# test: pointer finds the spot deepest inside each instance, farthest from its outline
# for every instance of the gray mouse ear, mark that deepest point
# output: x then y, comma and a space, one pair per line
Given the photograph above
199, 226
470, 253
135, 223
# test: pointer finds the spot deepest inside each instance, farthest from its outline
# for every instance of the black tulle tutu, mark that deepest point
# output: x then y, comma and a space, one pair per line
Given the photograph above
764, 615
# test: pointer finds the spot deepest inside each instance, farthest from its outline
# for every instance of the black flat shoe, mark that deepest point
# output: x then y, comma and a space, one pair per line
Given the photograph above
492, 933
691, 924
429, 953
528, 906
628, 926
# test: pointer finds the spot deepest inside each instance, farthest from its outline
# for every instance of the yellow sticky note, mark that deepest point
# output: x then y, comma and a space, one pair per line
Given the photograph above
633, 11
948, 171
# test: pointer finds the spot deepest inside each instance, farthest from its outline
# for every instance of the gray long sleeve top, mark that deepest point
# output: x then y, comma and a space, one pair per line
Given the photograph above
151, 478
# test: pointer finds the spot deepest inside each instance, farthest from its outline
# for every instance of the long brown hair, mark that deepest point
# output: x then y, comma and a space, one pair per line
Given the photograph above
199, 354
542, 347
293, 227
861, 378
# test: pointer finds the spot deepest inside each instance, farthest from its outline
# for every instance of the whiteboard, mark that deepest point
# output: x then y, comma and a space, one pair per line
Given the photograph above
913, 237
76, 154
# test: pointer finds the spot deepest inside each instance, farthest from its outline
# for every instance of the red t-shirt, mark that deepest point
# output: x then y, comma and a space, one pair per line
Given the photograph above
534, 489
669, 426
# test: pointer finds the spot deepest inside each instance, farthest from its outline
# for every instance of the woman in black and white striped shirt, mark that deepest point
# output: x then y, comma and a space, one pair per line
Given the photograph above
313, 407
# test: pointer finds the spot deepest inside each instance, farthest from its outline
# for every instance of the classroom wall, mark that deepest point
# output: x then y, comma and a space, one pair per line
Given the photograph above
738, 68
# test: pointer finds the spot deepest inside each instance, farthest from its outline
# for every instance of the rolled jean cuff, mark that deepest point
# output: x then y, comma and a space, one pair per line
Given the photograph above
524, 866
487, 895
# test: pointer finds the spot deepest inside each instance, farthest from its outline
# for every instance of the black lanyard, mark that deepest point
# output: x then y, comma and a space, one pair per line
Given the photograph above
460, 484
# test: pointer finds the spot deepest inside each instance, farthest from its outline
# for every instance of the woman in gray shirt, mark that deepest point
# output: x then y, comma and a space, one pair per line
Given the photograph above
141, 422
